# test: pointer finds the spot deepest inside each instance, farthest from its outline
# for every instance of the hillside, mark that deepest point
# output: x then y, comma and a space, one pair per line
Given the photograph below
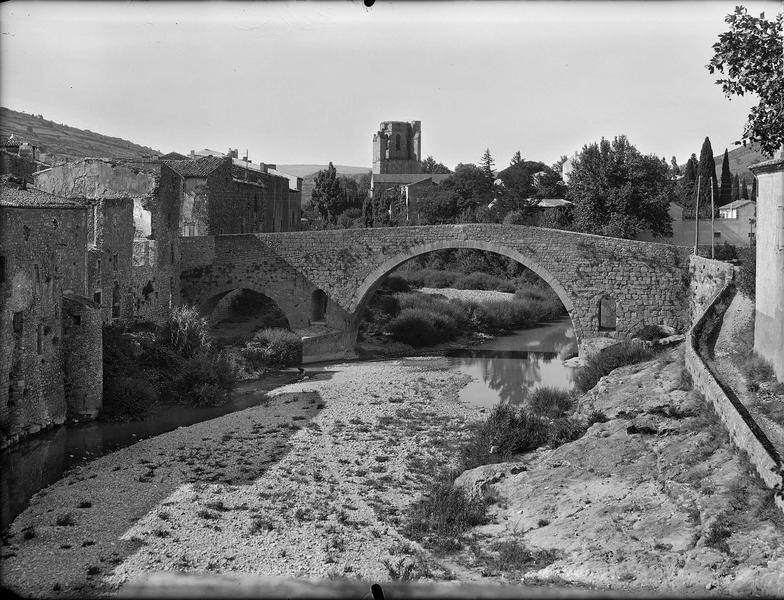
305, 170
60, 140
741, 157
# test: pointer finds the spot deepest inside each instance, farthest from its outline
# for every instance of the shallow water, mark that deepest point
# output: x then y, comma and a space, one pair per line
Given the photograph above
508, 368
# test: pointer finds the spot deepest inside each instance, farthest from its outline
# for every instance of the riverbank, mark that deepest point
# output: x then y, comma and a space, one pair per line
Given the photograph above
316, 484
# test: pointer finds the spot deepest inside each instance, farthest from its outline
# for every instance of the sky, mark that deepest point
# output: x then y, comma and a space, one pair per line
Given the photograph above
309, 82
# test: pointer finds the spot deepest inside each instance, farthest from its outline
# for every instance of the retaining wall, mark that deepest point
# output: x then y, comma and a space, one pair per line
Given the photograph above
744, 432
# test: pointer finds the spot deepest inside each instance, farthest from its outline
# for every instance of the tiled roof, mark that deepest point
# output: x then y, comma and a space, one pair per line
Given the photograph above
12, 196
173, 156
200, 167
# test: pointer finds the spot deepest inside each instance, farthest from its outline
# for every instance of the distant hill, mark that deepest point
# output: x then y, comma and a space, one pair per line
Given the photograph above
741, 157
58, 140
305, 170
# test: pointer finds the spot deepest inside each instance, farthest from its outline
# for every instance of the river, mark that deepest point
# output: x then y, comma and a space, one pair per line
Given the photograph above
505, 369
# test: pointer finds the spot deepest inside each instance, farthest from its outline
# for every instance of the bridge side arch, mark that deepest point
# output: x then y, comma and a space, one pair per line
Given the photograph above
210, 300
374, 278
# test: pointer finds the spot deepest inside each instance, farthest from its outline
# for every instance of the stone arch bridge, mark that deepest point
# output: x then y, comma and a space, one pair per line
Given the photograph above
327, 276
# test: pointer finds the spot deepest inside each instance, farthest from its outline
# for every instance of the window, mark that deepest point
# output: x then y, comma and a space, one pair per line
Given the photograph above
76, 319
115, 262
98, 268
55, 224
397, 141
318, 304
97, 298
717, 234
607, 314
18, 323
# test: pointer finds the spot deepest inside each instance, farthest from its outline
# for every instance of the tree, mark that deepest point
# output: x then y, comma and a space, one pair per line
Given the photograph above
744, 190
438, 206
487, 164
517, 158
618, 191
753, 189
471, 187
749, 56
735, 187
725, 195
327, 196
707, 174
676, 170
429, 165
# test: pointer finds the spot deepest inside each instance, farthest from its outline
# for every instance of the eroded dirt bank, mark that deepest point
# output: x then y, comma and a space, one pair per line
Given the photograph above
315, 485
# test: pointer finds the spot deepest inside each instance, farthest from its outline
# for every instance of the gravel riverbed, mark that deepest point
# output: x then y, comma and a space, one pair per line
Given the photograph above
310, 484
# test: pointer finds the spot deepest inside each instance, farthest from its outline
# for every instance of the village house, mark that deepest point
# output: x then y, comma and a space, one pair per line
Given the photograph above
50, 361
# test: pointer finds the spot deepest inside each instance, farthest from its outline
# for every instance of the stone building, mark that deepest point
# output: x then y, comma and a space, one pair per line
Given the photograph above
50, 358
397, 147
769, 293
20, 159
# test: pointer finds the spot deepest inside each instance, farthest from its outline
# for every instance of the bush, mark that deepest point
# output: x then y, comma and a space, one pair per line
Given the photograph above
429, 278
205, 380
747, 276
187, 331
127, 398
483, 281
385, 304
625, 353
420, 327
445, 512
564, 430
757, 369
550, 402
507, 432
650, 333
273, 348
396, 283
725, 251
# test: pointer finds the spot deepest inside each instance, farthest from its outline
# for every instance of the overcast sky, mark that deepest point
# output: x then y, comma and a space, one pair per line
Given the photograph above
309, 82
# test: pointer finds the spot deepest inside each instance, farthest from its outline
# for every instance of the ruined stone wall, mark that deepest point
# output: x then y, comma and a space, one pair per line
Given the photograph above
111, 288
648, 282
82, 326
17, 166
43, 251
706, 277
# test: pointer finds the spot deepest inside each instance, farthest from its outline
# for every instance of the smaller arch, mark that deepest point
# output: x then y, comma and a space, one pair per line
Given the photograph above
318, 306
606, 312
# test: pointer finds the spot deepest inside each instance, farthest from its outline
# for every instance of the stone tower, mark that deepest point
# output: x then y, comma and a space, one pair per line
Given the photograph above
397, 147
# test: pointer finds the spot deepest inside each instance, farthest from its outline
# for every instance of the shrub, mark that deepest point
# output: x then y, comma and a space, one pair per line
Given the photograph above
127, 398
650, 333
386, 304
205, 380
550, 402
746, 280
416, 327
564, 430
396, 283
187, 331
757, 369
273, 348
619, 355
507, 432
483, 281
429, 278
725, 251
445, 512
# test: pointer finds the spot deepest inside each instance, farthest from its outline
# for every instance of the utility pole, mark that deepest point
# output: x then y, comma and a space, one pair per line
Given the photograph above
697, 218
713, 212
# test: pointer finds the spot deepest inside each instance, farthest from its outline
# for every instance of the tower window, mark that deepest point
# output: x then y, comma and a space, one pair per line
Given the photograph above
397, 141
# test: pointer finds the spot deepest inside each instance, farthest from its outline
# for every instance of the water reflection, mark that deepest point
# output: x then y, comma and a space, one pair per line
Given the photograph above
507, 369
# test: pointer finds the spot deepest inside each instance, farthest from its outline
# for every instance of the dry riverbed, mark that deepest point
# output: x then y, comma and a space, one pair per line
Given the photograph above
315, 483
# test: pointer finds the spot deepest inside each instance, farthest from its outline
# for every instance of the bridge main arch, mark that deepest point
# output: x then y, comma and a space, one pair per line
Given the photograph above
374, 278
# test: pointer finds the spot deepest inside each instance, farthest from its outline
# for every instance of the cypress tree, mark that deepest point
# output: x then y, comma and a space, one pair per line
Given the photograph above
735, 187
676, 170
725, 196
744, 190
707, 170
754, 189
517, 158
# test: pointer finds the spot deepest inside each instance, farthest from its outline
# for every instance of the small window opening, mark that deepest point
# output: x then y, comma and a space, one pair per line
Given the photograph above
97, 298
18, 323
607, 314
397, 141
55, 224
318, 303
76, 319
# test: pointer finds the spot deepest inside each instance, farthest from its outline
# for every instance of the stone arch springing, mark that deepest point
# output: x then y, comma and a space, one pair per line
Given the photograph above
318, 306
606, 313
373, 280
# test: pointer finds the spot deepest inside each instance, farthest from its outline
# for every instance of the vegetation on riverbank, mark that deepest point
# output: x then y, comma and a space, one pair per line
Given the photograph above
600, 364
180, 362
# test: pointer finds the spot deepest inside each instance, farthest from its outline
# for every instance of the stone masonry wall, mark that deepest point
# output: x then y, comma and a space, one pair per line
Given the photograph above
647, 281
706, 277
82, 356
43, 251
